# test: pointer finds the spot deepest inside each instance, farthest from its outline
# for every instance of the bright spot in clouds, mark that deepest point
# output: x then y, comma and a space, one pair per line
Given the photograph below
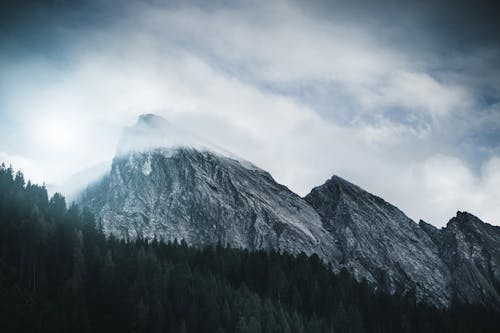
57, 135
302, 92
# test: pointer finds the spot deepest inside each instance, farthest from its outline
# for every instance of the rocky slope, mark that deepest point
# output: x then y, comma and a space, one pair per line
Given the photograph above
471, 250
170, 188
379, 242
202, 197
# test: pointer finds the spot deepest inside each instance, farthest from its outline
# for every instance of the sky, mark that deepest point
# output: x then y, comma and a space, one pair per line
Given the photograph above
401, 98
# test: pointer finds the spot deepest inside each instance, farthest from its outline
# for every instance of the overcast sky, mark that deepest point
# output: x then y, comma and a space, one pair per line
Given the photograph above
401, 99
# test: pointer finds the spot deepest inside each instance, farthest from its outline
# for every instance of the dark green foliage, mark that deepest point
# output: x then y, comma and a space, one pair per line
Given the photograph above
59, 273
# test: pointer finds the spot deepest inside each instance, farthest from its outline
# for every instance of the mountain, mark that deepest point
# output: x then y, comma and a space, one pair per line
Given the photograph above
193, 193
165, 183
471, 249
379, 242
59, 273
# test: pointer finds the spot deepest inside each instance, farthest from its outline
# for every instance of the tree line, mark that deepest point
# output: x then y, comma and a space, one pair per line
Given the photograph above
60, 273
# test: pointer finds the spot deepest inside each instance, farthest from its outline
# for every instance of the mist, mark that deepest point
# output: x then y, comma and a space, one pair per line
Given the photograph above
391, 100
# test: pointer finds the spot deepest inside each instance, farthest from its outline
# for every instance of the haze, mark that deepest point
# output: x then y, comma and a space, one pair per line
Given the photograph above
401, 99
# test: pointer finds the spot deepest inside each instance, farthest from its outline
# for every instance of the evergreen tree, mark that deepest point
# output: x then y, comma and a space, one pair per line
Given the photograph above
60, 273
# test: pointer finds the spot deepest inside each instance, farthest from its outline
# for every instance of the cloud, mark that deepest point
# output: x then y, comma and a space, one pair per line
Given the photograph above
299, 94
278, 44
27, 167
421, 92
449, 183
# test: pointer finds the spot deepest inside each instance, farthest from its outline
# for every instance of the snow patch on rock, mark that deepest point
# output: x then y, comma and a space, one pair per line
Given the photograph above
146, 168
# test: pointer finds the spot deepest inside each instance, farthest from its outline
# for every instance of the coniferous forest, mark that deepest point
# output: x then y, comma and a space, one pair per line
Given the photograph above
59, 273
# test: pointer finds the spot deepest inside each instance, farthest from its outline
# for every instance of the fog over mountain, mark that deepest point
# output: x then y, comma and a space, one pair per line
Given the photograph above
159, 188
401, 98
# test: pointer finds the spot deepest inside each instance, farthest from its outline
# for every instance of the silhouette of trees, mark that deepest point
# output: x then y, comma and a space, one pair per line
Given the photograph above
60, 273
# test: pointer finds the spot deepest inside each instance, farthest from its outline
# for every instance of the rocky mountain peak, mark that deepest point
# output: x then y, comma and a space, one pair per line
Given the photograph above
465, 218
379, 242
152, 119
152, 131
204, 198
337, 192
336, 185
169, 184
471, 250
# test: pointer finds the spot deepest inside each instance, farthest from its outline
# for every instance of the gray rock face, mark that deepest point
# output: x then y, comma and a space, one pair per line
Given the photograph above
204, 198
380, 243
161, 187
471, 249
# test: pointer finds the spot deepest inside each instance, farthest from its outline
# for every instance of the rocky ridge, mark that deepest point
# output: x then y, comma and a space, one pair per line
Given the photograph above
163, 187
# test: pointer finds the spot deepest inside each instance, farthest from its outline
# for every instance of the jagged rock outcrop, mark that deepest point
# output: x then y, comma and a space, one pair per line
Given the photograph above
471, 250
204, 198
380, 243
165, 183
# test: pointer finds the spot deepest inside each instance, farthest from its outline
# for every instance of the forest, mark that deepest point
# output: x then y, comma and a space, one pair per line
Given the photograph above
60, 273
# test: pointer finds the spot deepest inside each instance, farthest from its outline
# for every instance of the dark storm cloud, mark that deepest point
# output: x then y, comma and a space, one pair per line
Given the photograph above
455, 41
442, 24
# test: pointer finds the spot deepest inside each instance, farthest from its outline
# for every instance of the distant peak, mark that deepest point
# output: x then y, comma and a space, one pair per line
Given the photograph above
153, 131
465, 218
339, 181
464, 214
149, 118
153, 121
335, 187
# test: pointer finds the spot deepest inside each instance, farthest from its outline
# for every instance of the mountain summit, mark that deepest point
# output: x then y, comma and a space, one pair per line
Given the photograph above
170, 185
471, 250
152, 131
165, 183
379, 242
